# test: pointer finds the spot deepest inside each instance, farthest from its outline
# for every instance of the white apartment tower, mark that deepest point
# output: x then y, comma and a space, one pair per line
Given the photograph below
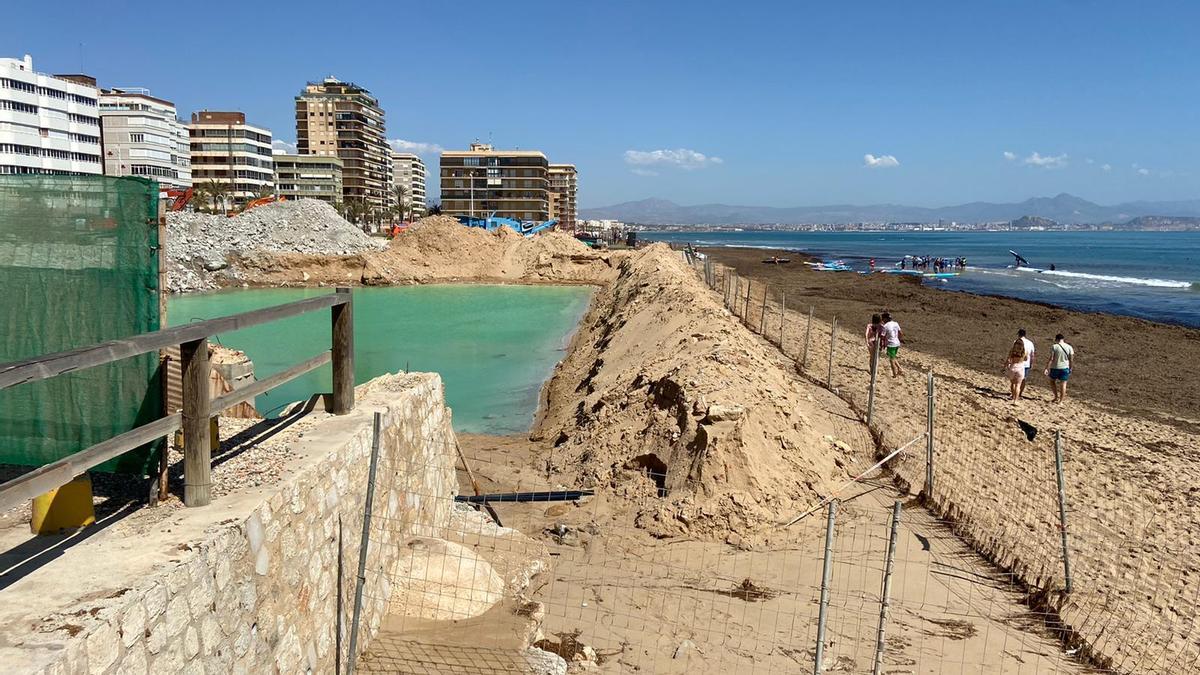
409, 170
231, 157
143, 136
48, 124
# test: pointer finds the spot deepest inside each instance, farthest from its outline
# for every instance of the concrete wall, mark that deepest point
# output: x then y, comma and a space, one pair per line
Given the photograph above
260, 592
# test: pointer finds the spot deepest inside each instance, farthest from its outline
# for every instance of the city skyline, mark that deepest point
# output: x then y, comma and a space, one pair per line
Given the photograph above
771, 104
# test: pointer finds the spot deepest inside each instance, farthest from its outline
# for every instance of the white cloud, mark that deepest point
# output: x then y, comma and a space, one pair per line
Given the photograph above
1010, 156
1143, 172
1106, 167
881, 162
280, 147
1046, 162
1089, 160
643, 172
415, 147
681, 158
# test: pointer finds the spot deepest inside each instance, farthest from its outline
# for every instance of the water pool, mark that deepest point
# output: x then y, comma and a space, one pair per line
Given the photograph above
494, 345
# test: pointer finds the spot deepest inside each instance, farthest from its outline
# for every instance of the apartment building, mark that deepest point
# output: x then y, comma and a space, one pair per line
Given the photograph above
408, 170
564, 186
143, 136
231, 156
309, 176
483, 180
341, 119
49, 124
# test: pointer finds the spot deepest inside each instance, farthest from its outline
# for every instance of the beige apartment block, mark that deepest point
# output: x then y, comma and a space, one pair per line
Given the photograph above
409, 170
309, 177
564, 186
483, 180
341, 119
233, 155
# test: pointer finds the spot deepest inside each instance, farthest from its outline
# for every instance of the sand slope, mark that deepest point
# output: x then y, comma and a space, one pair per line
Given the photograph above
686, 403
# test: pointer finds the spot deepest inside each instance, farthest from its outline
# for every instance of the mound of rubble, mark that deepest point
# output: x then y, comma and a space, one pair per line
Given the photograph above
200, 245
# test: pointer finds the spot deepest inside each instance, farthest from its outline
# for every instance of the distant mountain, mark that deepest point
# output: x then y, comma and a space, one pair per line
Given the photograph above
1030, 222
1063, 208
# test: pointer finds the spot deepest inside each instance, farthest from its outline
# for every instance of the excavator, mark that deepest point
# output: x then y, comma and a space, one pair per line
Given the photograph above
259, 202
179, 198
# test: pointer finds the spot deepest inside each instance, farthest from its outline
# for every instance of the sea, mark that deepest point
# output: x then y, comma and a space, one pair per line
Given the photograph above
1149, 275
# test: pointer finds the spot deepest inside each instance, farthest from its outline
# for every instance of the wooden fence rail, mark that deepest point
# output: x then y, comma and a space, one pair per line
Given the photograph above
192, 340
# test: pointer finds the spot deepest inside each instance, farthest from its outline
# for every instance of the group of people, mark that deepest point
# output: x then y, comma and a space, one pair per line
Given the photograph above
883, 335
926, 262
1021, 358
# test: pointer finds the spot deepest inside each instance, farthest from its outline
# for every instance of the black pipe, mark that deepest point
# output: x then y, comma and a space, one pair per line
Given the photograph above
552, 496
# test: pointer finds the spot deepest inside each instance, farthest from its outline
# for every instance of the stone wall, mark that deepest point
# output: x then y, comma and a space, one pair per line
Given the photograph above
262, 590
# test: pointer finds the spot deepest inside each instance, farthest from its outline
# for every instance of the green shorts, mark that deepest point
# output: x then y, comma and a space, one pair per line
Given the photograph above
892, 352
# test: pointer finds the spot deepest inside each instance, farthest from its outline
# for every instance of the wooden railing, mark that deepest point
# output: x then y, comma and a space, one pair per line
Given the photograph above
198, 407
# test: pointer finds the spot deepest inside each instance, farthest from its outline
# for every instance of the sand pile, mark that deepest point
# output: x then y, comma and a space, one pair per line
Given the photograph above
685, 413
438, 248
204, 249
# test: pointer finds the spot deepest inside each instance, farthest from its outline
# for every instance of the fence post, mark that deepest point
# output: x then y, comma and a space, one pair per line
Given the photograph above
826, 579
352, 657
746, 304
1062, 506
886, 593
782, 318
874, 380
343, 355
197, 439
762, 315
807, 335
929, 417
832, 348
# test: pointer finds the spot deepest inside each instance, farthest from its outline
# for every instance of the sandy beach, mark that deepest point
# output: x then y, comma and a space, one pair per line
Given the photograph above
1138, 367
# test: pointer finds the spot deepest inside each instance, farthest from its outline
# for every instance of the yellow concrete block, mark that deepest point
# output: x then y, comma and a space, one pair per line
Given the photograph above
65, 508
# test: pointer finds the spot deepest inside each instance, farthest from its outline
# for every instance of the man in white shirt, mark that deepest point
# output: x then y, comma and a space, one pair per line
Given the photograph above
891, 341
1028, 363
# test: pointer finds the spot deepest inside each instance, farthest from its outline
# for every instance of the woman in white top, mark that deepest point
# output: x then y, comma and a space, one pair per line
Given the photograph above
1058, 369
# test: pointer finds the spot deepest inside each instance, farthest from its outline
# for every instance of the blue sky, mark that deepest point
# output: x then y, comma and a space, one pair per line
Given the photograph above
772, 103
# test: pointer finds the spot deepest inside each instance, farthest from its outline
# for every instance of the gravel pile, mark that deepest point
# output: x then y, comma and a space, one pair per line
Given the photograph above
200, 245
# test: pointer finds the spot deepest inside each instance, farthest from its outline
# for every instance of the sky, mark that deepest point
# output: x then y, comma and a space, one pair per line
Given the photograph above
761, 103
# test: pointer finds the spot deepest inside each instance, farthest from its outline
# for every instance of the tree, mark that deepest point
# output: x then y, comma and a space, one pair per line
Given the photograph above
403, 202
215, 193
434, 209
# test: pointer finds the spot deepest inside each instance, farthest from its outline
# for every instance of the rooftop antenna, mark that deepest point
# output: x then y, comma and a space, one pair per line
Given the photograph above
80, 57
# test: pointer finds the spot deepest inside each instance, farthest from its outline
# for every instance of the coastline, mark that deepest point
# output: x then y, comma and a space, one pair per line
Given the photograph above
1129, 364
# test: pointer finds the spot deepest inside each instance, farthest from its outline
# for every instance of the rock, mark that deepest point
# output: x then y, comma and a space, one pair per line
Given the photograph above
724, 413
542, 662
443, 581
684, 648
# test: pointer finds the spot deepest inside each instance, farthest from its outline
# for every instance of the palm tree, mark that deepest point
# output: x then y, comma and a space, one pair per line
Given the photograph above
217, 193
403, 203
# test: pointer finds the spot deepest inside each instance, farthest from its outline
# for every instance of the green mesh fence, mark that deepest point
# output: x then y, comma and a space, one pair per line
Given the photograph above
78, 265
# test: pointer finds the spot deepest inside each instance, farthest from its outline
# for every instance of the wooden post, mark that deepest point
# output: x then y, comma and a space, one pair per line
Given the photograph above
1062, 507
929, 410
197, 453
874, 379
886, 593
163, 463
832, 350
343, 355
762, 315
746, 304
807, 335
826, 580
782, 318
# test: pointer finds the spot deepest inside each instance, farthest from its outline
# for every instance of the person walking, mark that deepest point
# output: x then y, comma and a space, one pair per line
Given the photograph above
1014, 368
1058, 368
1029, 355
874, 338
891, 341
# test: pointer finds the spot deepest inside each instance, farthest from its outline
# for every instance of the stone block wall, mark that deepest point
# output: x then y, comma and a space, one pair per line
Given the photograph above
263, 590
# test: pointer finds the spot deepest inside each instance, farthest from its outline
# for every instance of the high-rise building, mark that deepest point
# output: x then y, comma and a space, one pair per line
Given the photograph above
231, 157
482, 180
49, 124
341, 119
143, 136
309, 176
564, 184
408, 170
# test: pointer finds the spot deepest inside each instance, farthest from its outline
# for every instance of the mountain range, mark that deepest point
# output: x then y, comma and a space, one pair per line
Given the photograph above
1063, 208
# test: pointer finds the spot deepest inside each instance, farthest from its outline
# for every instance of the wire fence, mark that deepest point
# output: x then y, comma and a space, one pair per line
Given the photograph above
993, 473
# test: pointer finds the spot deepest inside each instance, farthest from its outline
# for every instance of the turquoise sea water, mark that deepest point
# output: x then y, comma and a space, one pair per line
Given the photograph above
1151, 275
493, 345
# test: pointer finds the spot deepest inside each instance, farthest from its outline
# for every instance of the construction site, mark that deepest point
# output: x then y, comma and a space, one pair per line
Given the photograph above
713, 477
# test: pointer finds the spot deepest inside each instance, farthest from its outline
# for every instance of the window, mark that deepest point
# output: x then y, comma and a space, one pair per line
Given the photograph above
137, 138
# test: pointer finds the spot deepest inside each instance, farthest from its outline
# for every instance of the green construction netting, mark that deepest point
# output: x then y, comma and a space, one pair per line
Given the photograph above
78, 265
